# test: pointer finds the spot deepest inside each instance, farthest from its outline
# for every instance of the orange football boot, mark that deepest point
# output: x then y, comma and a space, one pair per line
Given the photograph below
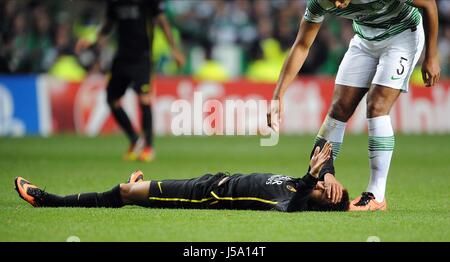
147, 155
136, 176
130, 155
133, 149
367, 202
27, 191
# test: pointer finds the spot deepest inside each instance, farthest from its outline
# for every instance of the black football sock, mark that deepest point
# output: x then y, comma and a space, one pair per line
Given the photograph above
124, 122
147, 124
111, 199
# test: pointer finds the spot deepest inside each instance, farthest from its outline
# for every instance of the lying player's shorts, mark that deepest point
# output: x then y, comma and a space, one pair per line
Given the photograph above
124, 74
219, 191
187, 193
387, 63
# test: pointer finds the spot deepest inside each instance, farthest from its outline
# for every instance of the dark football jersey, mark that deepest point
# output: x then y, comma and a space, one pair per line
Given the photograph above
265, 191
134, 21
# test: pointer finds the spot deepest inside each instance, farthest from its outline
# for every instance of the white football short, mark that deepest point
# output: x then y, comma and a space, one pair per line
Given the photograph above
388, 62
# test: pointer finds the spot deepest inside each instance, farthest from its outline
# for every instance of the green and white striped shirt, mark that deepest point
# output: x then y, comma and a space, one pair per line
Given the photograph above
373, 20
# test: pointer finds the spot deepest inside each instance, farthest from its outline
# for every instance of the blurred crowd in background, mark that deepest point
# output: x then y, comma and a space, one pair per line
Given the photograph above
223, 39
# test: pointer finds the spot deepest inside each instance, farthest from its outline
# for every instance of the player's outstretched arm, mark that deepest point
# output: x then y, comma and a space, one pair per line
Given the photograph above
179, 57
431, 70
104, 31
299, 51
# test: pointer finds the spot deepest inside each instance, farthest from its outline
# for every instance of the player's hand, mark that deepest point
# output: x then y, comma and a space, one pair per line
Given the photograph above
179, 58
333, 188
82, 44
319, 158
274, 116
431, 71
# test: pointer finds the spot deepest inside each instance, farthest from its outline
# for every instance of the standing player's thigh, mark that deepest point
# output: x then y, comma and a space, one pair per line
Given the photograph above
399, 58
358, 66
141, 76
117, 85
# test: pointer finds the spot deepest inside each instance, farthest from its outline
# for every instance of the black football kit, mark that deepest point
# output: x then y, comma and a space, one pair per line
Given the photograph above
257, 191
134, 21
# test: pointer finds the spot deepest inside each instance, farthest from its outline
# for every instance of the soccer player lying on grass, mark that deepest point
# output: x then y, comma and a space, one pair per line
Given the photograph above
220, 191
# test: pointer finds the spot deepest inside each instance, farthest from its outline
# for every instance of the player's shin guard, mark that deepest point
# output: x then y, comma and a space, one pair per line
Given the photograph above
110, 199
147, 124
122, 119
381, 146
333, 131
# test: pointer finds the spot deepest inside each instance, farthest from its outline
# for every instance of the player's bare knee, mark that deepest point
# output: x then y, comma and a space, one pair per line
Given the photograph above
340, 112
126, 191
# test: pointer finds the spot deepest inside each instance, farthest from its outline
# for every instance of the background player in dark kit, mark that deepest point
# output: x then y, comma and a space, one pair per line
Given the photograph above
134, 21
257, 191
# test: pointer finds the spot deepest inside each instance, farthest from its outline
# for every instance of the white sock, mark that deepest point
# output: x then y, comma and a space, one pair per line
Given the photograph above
333, 131
381, 146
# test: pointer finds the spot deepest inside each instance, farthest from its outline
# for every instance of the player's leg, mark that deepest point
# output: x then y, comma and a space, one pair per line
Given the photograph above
352, 82
188, 193
345, 101
394, 70
181, 193
116, 89
142, 86
380, 100
39, 198
135, 191
147, 153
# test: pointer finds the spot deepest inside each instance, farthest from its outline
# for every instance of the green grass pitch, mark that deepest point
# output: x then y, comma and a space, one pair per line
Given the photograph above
418, 190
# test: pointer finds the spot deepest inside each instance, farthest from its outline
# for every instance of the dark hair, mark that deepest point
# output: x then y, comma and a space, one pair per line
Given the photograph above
323, 205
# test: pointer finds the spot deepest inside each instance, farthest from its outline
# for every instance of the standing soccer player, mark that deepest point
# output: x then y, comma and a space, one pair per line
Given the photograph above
134, 21
379, 62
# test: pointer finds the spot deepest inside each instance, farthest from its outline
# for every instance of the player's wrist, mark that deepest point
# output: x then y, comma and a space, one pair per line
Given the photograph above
174, 49
310, 180
431, 54
314, 173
